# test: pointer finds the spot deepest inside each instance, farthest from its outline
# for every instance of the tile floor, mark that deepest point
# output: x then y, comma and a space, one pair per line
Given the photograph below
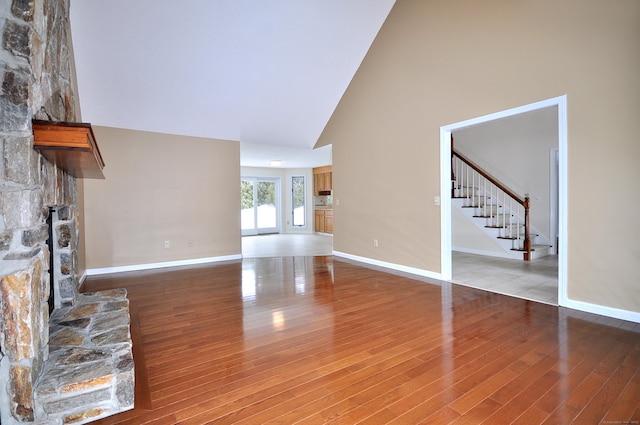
287, 245
536, 280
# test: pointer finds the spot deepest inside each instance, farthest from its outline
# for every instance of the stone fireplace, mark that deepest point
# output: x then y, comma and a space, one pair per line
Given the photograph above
75, 365
63, 241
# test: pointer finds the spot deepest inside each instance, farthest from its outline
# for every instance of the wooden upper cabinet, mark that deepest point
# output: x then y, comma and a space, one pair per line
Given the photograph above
71, 146
328, 181
322, 180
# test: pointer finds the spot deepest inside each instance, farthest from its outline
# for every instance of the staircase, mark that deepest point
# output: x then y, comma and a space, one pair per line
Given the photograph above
495, 209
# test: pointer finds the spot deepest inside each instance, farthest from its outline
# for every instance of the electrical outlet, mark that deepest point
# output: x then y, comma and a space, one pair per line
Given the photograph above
436, 200
167, 244
191, 243
375, 243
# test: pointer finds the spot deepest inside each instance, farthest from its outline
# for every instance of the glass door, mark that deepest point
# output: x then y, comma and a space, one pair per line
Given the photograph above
259, 205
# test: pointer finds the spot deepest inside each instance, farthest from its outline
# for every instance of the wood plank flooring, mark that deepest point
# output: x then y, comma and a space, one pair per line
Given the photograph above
318, 340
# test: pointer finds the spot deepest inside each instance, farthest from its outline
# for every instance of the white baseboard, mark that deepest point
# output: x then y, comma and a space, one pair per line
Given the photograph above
616, 313
392, 266
149, 266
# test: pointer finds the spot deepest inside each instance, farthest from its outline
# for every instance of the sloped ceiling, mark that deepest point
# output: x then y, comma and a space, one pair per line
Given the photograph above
261, 72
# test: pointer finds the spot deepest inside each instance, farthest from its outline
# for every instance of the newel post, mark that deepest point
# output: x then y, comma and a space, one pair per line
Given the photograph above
527, 229
453, 175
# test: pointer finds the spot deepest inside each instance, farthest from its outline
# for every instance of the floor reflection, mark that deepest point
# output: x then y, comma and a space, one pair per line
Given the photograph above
283, 294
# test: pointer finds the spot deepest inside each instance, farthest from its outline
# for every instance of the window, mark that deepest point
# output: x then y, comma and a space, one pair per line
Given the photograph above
297, 200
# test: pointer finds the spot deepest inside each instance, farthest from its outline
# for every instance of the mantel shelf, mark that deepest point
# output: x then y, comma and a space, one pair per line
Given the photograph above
71, 146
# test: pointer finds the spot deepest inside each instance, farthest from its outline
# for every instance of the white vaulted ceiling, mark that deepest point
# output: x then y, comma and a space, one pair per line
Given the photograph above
262, 72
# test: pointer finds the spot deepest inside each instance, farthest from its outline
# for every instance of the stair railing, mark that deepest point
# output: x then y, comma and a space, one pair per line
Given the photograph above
484, 191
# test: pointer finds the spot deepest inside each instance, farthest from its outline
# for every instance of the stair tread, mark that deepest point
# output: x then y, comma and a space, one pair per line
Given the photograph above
533, 248
512, 238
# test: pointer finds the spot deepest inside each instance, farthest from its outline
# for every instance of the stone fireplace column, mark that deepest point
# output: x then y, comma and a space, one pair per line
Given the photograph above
24, 341
36, 82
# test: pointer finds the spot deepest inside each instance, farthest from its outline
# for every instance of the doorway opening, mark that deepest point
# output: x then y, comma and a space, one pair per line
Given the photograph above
260, 205
445, 189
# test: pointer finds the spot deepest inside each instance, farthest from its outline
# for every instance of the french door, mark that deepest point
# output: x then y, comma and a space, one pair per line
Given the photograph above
260, 200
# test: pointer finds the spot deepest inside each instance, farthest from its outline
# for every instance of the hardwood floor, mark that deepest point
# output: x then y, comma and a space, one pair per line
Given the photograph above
318, 340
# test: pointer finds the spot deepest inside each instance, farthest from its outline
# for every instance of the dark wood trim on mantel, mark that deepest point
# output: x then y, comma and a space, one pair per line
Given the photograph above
71, 146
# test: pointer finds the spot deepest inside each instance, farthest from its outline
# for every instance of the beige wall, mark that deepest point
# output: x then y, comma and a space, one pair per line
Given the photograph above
440, 62
161, 187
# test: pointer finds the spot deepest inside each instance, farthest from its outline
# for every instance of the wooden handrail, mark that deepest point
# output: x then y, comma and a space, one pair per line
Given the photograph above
489, 177
522, 201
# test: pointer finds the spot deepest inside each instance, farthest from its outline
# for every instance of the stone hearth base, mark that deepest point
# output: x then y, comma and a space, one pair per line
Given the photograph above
90, 372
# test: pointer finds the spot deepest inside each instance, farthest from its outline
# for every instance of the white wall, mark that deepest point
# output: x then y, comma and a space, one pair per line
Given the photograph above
467, 237
516, 150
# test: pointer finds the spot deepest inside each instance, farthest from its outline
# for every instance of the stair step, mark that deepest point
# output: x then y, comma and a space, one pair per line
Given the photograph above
533, 248
464, 192
513, 238
478, 203
509, 226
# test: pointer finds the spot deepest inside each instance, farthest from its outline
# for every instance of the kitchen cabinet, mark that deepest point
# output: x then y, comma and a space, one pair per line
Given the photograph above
319, 221
324, 221
322, 180
328, 221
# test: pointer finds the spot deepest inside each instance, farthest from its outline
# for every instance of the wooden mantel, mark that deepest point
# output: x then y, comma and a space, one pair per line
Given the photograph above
71, 146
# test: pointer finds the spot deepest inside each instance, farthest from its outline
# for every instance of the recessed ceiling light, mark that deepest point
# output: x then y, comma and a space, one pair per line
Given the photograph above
276, 162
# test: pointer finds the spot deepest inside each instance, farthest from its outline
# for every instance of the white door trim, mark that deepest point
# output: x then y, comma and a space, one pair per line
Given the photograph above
553, 200
445, 184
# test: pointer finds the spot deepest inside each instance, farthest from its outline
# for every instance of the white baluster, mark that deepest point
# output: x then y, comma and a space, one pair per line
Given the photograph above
485, 197
457, 177
504, 210
518, 230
